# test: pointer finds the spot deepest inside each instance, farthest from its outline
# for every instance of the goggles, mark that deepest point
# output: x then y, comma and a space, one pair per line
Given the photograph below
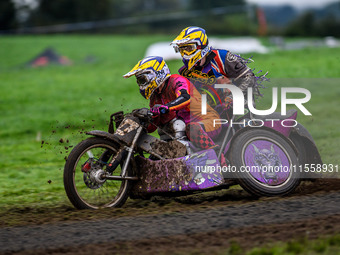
145, 78
186, 49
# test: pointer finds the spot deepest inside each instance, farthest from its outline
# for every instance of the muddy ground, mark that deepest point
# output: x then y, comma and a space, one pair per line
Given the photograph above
200, 223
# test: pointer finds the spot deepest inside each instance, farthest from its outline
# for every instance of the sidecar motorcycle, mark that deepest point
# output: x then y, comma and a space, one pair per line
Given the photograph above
262, 157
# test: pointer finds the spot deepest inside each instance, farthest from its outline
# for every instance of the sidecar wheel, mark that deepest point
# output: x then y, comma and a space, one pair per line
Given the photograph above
266, 164
85, 165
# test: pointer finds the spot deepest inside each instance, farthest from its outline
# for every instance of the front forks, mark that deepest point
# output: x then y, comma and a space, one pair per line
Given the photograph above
130, 151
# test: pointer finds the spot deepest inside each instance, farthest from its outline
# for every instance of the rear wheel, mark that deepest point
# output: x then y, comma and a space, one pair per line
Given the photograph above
83, 176
264, 163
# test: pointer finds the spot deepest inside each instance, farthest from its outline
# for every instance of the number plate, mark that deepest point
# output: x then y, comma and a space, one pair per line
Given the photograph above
126, 127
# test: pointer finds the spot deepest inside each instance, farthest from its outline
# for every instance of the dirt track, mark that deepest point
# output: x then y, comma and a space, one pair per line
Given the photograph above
189, 223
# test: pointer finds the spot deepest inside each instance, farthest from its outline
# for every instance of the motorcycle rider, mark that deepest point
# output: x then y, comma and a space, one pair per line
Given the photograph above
173, 96
206, 66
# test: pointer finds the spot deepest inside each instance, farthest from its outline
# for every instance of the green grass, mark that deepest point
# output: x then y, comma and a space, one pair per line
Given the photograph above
321, 246
41, 106
58, 103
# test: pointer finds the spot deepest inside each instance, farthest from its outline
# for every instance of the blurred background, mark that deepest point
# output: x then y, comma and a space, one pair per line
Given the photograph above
307, 18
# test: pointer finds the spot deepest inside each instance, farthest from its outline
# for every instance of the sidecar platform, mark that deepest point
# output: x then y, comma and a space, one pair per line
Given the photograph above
197, 171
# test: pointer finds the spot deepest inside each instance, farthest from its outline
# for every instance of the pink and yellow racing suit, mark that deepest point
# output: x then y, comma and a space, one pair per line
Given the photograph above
184, 101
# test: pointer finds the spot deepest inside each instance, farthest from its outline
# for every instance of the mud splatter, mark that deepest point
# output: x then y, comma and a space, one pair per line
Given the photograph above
160, 175
172, 149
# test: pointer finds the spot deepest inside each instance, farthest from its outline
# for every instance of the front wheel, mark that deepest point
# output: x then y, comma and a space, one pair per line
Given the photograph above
265, 163
83, 175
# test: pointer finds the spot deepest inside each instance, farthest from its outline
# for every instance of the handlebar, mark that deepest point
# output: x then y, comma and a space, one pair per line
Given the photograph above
143, 113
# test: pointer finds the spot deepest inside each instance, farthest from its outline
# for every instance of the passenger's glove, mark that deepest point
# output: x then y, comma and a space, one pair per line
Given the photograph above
228, 102
159, 109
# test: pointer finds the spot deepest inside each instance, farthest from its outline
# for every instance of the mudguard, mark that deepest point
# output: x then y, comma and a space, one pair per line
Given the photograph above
305, 144
308, 152
277, 125
103, 134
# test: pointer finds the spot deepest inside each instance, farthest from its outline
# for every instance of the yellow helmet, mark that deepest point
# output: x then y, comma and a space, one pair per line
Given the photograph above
192, 43
150, 73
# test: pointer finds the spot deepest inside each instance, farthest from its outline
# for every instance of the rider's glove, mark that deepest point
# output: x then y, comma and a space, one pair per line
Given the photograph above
159, 109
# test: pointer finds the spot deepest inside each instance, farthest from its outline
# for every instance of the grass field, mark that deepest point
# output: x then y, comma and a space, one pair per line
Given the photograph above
44, 111
325, 245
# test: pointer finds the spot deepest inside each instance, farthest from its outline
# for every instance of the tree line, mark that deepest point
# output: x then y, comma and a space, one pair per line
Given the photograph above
225, 17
